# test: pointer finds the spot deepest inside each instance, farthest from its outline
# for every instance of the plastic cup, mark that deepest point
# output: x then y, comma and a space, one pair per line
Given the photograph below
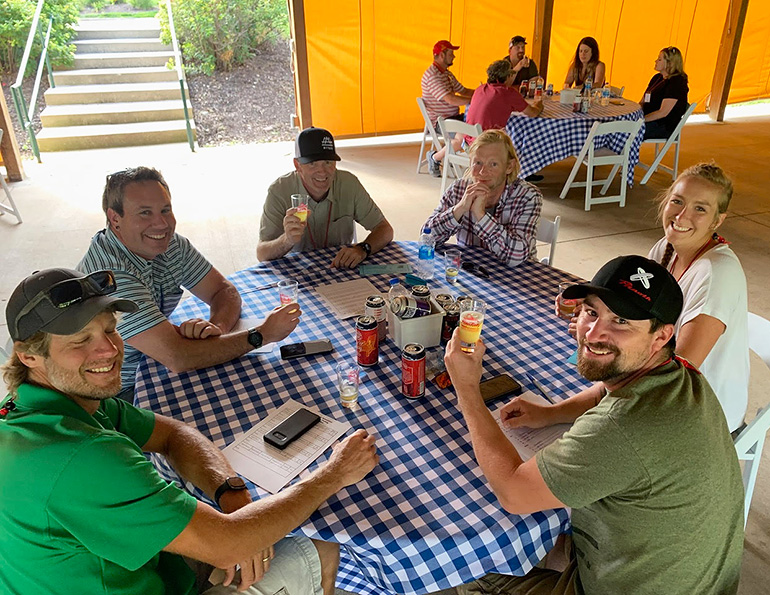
471, 321
347, 383
288, 292
452, 262
566, 307
300, 202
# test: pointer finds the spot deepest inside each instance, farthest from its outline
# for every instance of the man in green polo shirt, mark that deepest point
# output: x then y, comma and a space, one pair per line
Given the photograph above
648, 467
337, 202
85, 512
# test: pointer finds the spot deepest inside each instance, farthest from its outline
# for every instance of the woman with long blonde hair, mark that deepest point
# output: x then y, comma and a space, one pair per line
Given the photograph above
665, 99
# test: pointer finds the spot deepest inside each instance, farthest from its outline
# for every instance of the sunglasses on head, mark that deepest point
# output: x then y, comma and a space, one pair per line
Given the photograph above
64, 294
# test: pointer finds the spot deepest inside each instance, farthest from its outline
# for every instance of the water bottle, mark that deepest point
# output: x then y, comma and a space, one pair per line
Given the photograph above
396, 289
588, 86
606, 94
427, 254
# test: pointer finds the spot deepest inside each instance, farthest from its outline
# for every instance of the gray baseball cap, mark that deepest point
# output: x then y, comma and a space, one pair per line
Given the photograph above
61, 301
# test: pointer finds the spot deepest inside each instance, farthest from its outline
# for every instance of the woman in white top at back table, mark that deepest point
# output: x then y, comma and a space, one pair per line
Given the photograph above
712, 332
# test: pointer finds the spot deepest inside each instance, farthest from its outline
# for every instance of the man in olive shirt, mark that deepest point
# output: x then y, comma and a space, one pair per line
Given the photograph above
648, 468
337, 202
85, 512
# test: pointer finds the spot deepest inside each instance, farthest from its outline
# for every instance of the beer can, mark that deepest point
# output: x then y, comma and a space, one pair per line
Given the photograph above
549, 90
375, 307
450, 322
523, 88
413, 371
367, 343
421, 292
532, 87
406, 306
444, 299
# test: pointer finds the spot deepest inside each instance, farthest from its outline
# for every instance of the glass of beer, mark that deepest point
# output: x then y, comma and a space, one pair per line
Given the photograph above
471, 320
452, 262
347, 383
566, 307
288, 291
300, 202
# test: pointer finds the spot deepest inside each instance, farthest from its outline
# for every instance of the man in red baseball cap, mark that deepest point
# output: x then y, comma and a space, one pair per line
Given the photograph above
443, 95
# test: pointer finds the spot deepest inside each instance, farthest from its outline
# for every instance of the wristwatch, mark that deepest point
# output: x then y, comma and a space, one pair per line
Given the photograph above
231, 483
255, 338
367, 248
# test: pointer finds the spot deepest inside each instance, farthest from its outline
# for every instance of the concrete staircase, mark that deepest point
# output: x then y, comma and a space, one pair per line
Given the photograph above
118, 93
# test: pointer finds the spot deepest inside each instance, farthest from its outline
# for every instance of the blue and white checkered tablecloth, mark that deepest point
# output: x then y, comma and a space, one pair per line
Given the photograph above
425, 519
558, 133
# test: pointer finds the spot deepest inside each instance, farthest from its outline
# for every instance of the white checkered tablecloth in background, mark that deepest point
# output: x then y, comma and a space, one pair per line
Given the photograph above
558, 133
425, 519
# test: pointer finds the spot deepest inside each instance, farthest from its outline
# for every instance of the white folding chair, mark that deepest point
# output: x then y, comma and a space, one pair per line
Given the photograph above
457, 161
548, 231
750, 441
604, 156
12, 209
617, 91
674, 139
429, 137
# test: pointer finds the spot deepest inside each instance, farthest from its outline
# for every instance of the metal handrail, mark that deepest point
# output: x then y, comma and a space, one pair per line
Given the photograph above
25, 113
180, 74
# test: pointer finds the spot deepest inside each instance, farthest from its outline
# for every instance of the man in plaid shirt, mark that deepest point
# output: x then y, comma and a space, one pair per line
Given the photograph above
491, 207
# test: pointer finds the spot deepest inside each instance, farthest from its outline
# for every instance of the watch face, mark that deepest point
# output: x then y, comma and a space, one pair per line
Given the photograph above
255, 338
236, 483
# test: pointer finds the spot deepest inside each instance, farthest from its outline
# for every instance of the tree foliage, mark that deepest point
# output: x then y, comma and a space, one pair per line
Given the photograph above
15, 22
221, 34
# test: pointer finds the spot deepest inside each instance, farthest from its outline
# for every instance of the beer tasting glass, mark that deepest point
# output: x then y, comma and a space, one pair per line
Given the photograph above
300, 202
566, 307
471, 320
452, 263
347, 383
288, 291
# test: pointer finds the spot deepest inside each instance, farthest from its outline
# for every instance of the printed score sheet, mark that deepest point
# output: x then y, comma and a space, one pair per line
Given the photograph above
528, 440
271, 468
347, 298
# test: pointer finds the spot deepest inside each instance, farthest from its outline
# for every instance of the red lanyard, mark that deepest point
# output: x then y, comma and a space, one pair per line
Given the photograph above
328, 221
716, 237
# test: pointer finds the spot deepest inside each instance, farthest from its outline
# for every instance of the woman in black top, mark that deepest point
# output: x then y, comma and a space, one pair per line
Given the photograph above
586, 65
665, 100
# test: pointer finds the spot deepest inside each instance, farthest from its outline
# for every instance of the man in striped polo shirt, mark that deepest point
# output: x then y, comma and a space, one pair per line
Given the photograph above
443, 95
152, 264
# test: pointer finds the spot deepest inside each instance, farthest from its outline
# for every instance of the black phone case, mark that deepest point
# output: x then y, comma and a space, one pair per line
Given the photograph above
291, 428
294, 350
498, 387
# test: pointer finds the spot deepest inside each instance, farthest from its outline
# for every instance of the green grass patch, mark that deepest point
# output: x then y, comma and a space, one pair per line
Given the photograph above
120, 15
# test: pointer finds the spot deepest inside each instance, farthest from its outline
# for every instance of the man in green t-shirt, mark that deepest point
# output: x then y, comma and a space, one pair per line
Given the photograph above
85, 512
648, 467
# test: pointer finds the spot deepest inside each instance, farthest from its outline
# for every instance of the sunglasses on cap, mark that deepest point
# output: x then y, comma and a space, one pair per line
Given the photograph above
65, 293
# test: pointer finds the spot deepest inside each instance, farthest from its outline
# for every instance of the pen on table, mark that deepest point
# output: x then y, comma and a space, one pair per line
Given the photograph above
540, 389
261, 287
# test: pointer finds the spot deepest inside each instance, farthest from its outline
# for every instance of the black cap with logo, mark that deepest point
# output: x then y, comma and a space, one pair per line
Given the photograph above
315, 144
635, 288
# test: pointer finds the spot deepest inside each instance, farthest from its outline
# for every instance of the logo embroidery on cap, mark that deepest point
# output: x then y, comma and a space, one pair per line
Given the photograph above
642, 276
327, 144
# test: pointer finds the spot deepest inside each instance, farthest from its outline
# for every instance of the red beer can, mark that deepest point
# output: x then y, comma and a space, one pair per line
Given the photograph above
413, 371
375, 307
367, 343
450, 322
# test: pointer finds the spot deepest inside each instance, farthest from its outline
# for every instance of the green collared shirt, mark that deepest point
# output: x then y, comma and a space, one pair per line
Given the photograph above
83, 510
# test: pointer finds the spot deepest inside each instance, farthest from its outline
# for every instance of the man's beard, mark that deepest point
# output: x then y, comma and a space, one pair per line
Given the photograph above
599, 371
75, 385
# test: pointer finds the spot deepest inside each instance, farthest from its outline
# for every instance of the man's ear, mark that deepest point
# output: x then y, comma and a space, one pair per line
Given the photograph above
662, 336
296, 164
113, 217
33, 362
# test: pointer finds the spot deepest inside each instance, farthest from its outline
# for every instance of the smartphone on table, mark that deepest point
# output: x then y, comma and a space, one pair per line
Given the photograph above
291, 428
306, 348
498, 387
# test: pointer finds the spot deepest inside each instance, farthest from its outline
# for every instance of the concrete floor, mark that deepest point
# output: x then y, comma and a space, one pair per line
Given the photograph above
218, 196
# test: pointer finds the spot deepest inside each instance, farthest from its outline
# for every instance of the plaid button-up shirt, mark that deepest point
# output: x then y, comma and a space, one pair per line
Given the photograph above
508, 230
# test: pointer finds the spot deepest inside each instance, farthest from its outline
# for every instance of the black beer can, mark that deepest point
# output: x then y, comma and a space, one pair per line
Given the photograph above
450, 322
405, 306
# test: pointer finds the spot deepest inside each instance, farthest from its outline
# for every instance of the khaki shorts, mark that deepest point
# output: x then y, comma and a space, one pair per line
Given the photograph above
295, 570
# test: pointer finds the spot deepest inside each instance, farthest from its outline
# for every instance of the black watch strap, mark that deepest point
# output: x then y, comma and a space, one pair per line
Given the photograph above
255, 338
367, 248
231, 483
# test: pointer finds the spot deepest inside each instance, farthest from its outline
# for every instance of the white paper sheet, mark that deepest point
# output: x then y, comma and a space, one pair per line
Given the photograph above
527, 440
272, 468
346, 299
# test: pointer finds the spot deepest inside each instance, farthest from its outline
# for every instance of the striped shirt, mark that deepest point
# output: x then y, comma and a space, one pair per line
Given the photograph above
508, 230
155, 285
437, 83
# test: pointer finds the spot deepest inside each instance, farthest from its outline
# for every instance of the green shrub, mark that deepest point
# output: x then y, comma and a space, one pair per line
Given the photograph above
220, 34
15, 22
144, 4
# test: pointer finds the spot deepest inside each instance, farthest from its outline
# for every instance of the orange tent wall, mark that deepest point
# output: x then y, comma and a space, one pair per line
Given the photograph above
366, 57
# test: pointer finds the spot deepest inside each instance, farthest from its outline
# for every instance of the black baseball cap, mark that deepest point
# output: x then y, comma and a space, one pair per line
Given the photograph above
61, 301
517, 39
315, 144
634, 287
